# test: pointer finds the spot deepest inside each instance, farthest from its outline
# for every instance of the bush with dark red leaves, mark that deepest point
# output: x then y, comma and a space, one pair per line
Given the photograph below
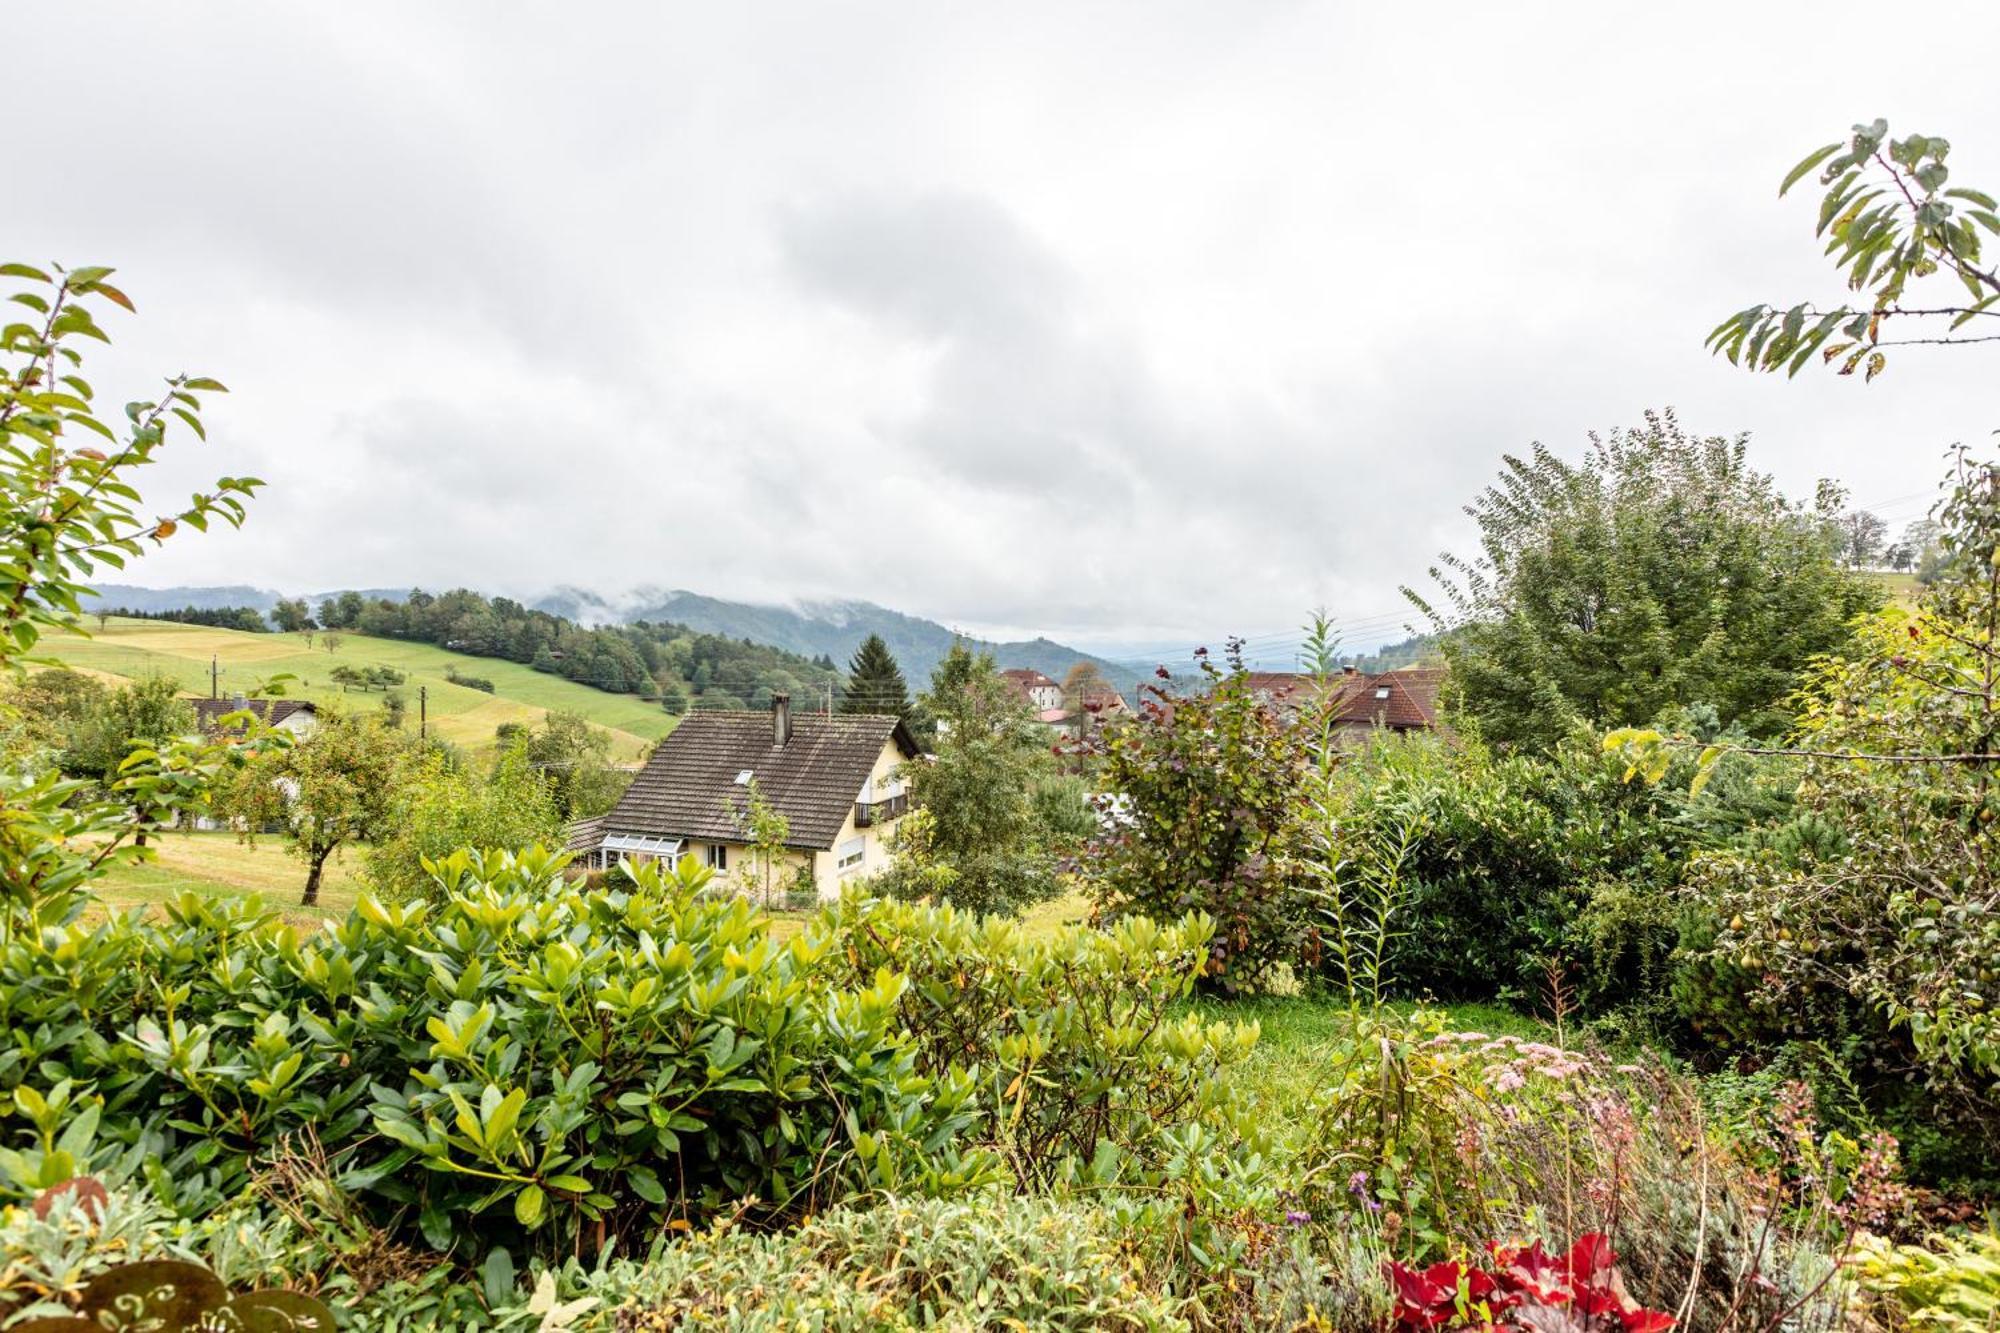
1524, 1290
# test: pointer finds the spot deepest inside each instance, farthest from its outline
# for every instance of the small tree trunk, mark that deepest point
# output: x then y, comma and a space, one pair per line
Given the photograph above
311, 897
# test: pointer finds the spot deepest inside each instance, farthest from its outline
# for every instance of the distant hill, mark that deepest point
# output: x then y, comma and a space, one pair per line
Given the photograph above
1417, 649
834, 629
134, 598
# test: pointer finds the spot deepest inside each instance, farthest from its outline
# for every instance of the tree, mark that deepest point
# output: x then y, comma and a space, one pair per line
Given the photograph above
768, 832
1661, 571
291, 615
575, 759
1889, 218
1921, 539
331, 788
1861, 538
1207, 817
146, 714
875, 683
1084, 690
332, 641
983, 843
441, 805
68, 507
544, 660
44, 713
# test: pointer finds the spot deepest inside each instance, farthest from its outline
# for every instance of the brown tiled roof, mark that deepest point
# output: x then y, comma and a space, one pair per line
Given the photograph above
688, 788
584, 834
209, 712
1099, 697
1412, 699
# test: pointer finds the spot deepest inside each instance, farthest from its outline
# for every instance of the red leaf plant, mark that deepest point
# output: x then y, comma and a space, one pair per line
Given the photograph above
1524, 1290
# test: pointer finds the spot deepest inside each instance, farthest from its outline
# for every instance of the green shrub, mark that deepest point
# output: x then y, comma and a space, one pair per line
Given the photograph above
441, 805
1210, 788
457, 677
1093, 1077
1521, 860
1023, 1264
1078, 1046
1951, 1284
526, 1062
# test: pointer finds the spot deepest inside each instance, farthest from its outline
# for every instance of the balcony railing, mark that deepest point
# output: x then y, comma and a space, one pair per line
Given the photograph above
870, 813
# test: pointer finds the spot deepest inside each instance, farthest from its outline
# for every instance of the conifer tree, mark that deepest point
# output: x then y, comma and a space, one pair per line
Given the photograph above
875, 683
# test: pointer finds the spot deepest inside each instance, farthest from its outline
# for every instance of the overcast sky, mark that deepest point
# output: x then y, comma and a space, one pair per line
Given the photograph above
1128, 323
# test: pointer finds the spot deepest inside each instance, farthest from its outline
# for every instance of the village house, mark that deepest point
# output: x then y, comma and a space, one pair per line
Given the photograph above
1403, 700
836, 779
1043, 694
297, 716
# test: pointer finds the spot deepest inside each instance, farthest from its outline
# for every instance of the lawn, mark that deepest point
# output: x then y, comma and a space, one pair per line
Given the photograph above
467, 717
221, 863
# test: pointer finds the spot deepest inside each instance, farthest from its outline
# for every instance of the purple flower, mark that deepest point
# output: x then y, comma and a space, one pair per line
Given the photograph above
1296, 1218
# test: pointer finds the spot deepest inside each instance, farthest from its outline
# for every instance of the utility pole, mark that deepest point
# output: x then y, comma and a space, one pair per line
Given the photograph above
214, 678
423, 711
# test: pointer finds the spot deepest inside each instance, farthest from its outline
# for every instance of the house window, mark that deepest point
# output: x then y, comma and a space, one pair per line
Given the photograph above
718, 856
1381, 691
848, 856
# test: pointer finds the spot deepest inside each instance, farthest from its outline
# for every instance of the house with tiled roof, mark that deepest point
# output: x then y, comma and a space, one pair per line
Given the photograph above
1402, 700
836, 778
297, 716
1039, 692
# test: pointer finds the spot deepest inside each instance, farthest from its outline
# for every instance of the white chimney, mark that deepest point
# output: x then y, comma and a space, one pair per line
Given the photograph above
781, 719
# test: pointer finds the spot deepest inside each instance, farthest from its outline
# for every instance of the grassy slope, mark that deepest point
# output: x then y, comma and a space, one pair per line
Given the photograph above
463, 716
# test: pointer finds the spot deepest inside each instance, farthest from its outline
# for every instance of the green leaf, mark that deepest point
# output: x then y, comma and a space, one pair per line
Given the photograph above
496, 1276
1812, 160
528, 1205
645, 1184
205, 383
23, 271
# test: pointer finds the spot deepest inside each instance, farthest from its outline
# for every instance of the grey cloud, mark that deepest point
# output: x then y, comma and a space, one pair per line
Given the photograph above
1050, 317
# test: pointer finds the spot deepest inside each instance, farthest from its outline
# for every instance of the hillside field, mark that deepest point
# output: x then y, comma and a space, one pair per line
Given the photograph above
467, 717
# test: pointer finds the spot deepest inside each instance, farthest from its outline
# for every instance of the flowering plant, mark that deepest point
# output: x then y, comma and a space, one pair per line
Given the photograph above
1524, 1290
